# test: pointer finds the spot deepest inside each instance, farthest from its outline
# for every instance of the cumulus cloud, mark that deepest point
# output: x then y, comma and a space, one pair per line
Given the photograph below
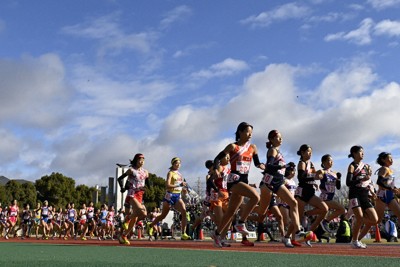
228, 67
280, 13
34, 91
388, 27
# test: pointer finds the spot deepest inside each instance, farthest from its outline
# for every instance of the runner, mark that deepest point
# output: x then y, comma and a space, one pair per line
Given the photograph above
26, 221
44, 214
387, 189
135, 185
305, 192
13, 212
273, 182
330, 181
241, 153
174, 184
358, 180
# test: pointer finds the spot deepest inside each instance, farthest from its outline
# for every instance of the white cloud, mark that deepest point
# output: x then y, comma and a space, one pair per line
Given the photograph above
34, 91
113, 40
228, 67
10, 147
360, 36
280, 13
177, 14
388, 27
383, 4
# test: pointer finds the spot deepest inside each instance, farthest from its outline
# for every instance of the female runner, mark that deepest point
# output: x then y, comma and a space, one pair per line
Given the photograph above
358, 180
274, 182
241, 153
305, 192
387, 189
330, 181
174, 184
135, 185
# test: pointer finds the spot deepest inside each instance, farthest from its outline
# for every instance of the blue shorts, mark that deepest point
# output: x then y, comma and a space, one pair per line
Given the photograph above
172, 198
45, 219
387, 197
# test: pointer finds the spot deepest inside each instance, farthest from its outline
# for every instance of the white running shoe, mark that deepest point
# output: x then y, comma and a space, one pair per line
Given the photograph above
357, 244
225, 243
286, 241
241, 228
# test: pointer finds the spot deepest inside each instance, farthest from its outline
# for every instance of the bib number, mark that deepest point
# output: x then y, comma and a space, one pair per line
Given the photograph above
232, 177
299, 191
243, 167
267, 179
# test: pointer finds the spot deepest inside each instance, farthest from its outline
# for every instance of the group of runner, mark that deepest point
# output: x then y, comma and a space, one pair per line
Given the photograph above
47, 222
227, 188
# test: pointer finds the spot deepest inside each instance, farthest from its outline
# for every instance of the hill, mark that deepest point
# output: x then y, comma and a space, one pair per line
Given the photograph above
4, 180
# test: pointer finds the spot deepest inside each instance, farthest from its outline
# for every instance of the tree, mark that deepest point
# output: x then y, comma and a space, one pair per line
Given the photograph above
56, 188
155, 193
14, 191
30, 194
83, 195
3, 196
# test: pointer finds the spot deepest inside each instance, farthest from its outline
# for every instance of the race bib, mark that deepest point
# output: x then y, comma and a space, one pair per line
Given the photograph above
243, 167
353, 203
232, 177
267, 179
299, 191
214, 196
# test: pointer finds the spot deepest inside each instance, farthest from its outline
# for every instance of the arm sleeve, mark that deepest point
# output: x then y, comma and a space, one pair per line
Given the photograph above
211, 184
301, 175
256, 160
349, 179
217, 160
271, 166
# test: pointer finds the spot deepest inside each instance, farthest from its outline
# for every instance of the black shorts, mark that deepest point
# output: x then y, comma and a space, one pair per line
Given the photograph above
244, 178
274, 184
305, 193
359, 197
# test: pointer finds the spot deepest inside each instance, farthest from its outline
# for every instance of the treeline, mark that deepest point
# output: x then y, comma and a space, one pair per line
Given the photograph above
60, 190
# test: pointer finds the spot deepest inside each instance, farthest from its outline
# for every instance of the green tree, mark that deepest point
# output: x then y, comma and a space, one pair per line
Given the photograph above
14, 191
56, 188
30, 194
83, 195
3, 196
155, 192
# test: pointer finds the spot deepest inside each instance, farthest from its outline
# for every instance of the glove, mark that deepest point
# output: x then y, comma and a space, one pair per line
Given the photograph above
338, 175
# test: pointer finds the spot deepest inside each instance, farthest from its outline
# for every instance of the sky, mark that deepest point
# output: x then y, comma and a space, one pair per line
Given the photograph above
88, 84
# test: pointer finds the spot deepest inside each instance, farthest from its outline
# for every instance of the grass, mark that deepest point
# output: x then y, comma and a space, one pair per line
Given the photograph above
58, 255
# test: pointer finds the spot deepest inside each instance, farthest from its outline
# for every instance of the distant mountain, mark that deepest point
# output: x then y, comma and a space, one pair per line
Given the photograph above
4, 180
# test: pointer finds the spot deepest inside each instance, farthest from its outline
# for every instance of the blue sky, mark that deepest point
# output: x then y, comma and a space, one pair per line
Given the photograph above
87, 84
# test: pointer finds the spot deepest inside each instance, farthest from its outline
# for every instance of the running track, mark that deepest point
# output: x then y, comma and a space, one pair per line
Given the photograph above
374, 250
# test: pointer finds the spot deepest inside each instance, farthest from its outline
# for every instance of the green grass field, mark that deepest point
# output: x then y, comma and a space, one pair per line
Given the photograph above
57, 255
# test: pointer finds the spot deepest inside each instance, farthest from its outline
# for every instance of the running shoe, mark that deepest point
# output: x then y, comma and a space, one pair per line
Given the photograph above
299, 235
308, 243
363, 244
357, 244
121, 239
83, 238
185, 237
295, 243
286, 241
125, 225
216, 240
325, 225
247, 243
225, 243
241, 228
6, 237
